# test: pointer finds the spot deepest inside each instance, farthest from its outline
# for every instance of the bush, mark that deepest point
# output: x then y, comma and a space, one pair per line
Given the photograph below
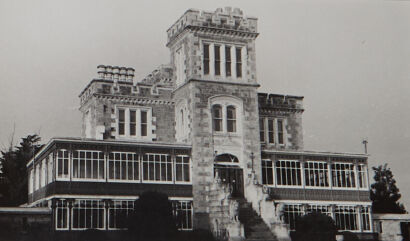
315, 227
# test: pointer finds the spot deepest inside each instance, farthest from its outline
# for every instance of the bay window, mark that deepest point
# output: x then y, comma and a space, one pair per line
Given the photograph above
63, 164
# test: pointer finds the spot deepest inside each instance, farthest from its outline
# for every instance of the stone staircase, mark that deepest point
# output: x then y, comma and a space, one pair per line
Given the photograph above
255, 228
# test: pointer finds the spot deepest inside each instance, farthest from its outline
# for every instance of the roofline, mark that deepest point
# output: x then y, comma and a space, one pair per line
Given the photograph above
318, 153
117, 142
280, 95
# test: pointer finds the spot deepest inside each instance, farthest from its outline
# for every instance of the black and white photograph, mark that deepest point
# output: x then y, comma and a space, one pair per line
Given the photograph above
229, 120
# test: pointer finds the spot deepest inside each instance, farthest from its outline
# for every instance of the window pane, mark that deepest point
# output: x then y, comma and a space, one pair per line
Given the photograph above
206, 59
217, 60
238, 63
144, 123
121, 122
228, 60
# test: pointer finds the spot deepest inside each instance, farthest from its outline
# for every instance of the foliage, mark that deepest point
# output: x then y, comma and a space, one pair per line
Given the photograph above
14, 190
152, 218
315, 227
384, 192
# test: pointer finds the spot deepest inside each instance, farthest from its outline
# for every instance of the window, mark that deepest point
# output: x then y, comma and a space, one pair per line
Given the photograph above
88, 165
30, 181
280, 132
182, 168
288, 173
217, 55
365, 216
37, 175
144, 123
325, 209
62, 164
157, 167
61, 214
343, 175
206, 59
183, 214
228, 60
262, 129
50, 168
180, 66
346, 217
43, 172
316, 174
271, 131
88, 214
217, 117
267, 172
123, 166
118, 212
291, 213
231, 118
121, 122
238, 62
362, 175
133, 122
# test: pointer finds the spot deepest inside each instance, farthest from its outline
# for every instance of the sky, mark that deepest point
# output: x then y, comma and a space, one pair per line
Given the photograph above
349, 59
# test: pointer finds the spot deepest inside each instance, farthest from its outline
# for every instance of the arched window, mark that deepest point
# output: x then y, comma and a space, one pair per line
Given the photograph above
231, 118
217, 117
227, 158
182, 120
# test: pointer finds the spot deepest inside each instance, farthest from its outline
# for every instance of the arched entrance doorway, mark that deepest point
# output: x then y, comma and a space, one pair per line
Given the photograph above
226, 166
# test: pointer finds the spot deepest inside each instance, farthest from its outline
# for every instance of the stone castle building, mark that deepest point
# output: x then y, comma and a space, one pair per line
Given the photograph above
231, 159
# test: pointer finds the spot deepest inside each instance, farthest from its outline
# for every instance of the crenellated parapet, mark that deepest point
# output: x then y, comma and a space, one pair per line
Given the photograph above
225, 20
275, 102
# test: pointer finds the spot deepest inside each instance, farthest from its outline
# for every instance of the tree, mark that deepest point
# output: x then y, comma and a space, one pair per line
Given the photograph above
384, 192
315, 226
14, 170
152, 218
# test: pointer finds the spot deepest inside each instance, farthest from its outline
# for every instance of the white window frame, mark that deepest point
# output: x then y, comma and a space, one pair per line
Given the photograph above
345, 210
178, 205
137, 162
189, 166
308, 171
64, 177
333, 171
113, 206
57, 207
92, 200
137, 136
279, 184
99, 160
148, 162
266, 130
362, 175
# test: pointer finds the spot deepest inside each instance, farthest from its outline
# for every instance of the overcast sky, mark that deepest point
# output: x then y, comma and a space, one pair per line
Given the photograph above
350, 59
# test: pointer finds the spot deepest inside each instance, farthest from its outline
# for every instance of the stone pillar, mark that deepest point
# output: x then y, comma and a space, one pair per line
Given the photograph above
233, 62
223, 59
244, 62
358, 218
107, 204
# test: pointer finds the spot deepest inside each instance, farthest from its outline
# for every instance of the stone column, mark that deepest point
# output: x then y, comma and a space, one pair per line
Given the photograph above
223, 60
212, 59
233, 61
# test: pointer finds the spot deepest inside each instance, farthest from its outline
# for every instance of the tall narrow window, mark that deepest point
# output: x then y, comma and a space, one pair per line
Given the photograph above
291, 213
362, 174
61, 214
343, 175
217, 117
280, 132
238, 62
231, 118
217, 55
62, 164
121, 122
206, 59
316, 174
288, 173
182, 211
267, 172
133, 124
182, 168
262, 129
228, 60
271, 131
144, 123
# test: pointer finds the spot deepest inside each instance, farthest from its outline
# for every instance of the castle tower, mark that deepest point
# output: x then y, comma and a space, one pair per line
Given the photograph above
213, 58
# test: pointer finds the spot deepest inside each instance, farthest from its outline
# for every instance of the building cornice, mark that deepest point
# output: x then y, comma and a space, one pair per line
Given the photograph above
317, 153
134, 100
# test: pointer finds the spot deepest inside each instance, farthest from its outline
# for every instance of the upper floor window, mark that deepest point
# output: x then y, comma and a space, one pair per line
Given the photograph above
316, 174
267, 172
63, 164
272, 130
288, 173
217, 117
231, 118
362, 175
123, 166
223, 60
133, 122
88, 165
343, 175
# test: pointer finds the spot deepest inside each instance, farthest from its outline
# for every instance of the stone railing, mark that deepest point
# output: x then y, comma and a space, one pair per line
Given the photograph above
223, 212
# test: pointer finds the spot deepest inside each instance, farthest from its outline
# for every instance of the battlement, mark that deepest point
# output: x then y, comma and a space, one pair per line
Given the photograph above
161, 76
115, 73
280, 102
222, 19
